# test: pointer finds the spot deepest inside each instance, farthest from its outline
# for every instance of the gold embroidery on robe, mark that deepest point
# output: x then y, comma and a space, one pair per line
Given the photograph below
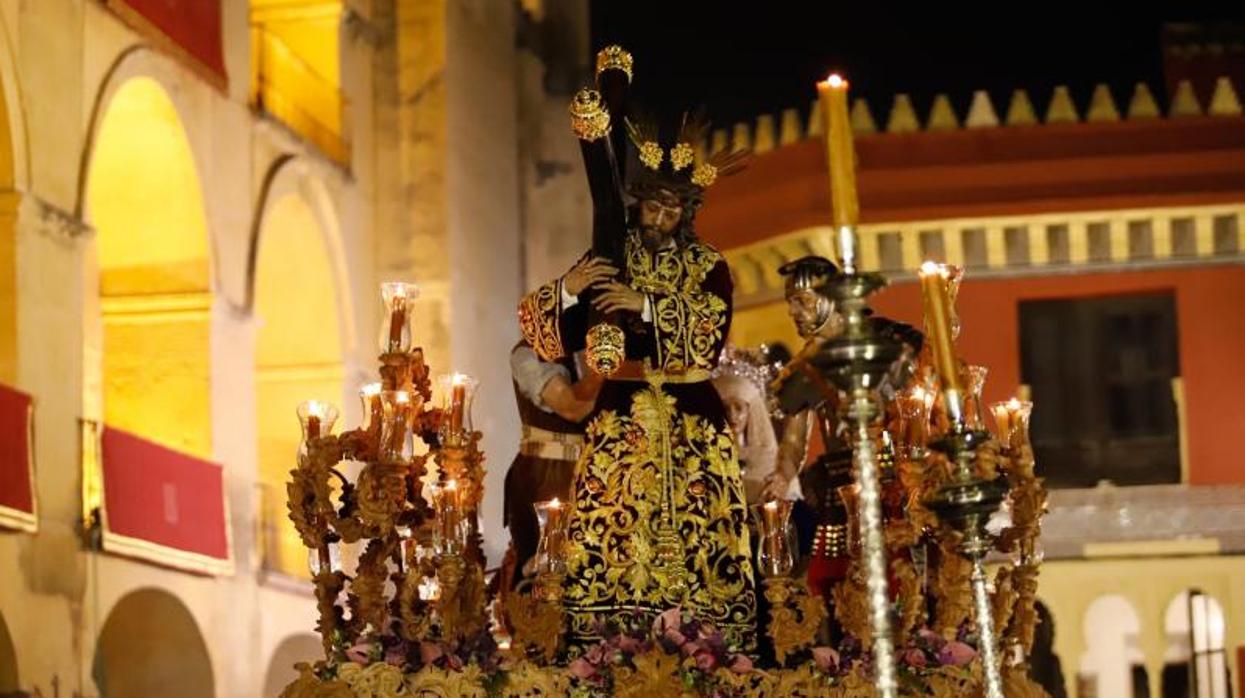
642, 471
538, 319
687, 320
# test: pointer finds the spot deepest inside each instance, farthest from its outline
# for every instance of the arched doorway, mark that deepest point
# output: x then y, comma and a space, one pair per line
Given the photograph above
143, 198
150, 645
8, 661
298, 355
292, 650
1195, 661
1113, 664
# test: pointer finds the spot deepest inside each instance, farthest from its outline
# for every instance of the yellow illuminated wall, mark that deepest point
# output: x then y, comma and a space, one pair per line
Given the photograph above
298, 356
296, 68
143, 199
8, 255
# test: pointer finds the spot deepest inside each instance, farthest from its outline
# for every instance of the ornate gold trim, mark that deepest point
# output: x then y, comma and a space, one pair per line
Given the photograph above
615, 57
704, 175
590, 120
682, 155
606, 348
651, 155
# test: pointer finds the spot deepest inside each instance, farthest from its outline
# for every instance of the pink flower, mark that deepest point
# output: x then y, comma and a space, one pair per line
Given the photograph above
956, 653
596, 655
629, 644
826, 658
669, 619
430, 652
395, 656
741, 664
914, 658
360, 653
582, 668
705, 661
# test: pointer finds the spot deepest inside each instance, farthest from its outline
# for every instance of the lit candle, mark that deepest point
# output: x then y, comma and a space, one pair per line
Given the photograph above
938, 322
554, 526
770, 511
315, 411
458, 397
397, 318
1002, 420
841, 159
372, 409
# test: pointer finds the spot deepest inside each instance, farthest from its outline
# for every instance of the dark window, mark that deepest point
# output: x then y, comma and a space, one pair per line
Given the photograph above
1100, 371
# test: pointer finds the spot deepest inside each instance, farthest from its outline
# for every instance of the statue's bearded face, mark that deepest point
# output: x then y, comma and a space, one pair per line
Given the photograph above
660, 216
809, 310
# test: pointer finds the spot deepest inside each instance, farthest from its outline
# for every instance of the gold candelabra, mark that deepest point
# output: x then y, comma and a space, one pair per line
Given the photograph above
420, 568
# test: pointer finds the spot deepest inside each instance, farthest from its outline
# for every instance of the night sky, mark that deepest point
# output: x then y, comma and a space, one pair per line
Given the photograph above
743, 59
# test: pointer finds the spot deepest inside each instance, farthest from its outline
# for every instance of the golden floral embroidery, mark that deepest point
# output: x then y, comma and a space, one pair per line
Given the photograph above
538, 319
614, 561
689, 322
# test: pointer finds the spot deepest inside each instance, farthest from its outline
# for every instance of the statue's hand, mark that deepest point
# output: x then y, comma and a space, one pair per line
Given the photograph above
587, 272
616, 296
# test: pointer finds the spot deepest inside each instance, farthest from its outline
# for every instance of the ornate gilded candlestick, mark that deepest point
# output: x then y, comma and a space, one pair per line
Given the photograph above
967, 501
856, 362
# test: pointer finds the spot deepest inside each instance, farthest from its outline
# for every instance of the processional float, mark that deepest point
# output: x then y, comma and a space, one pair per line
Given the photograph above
913, 614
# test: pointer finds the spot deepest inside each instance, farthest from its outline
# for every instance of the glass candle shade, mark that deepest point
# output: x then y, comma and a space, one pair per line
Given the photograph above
550, 562
774, 521
457, 391
1011, 422
316, 420
315, 564
369, 399
395, 325
974, 383
914, 405
395, 427
447, 507
954, 275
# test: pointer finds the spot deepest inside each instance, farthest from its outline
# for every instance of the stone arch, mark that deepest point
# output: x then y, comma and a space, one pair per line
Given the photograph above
1112, 631
303, 647
15, 163
150, 645
153, 258
1179, 664
299, 299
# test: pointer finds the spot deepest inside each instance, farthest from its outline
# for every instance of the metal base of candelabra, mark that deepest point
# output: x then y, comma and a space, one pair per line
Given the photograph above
966, 504
856, 363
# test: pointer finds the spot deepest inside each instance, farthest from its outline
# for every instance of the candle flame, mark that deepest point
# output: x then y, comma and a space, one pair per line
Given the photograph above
836, 81
460, 379
451, 485
555, 504
1013, 404
371, 390
403, 397
772, 505
931, 267
315, 408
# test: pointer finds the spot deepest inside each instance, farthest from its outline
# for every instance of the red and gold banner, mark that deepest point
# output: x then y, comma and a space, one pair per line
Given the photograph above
190, 29
164, 506
17, 462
